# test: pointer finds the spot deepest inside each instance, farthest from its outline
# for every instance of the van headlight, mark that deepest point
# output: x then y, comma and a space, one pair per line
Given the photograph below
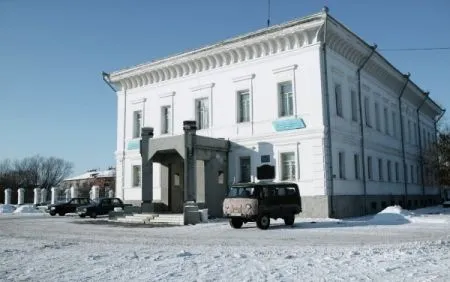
248, 206
52, 208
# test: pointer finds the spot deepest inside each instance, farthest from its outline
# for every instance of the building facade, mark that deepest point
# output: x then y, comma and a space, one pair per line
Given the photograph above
308, 97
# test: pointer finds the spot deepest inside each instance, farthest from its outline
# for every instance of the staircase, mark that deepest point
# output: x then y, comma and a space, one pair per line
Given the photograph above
153, 219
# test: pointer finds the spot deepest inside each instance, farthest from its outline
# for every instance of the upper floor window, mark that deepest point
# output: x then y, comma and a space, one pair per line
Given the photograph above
380, 170
394, 124
397, 172
341, 158
202, 113
288, 166
409, 132
369, 168
166, 120
137, 123
286, 99
386, 121
377, 117
338, 97
356, 162
354, 103
243, 106
367, 112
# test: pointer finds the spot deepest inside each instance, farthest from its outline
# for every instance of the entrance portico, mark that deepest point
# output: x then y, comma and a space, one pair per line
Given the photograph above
193, 169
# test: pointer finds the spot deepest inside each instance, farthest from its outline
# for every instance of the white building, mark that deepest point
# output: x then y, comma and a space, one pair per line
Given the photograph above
292, 95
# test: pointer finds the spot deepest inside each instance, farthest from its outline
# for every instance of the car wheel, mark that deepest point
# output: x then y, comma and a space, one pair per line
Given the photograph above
236, 223
93, 215
263, 222
61, 213
52, 213
289, 220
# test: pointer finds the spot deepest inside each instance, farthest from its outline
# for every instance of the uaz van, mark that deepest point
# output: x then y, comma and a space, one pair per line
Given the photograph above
249, 202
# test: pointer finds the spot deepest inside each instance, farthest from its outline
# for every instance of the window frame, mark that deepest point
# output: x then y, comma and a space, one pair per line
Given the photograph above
292, 165
166, 119
136, 181
240, 115
338, 100
282, 112
137, 127
202, 114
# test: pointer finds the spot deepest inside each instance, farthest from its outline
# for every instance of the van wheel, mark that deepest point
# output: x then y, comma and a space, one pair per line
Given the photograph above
52, 213
263, 222
289, 220
236, 222
93, 215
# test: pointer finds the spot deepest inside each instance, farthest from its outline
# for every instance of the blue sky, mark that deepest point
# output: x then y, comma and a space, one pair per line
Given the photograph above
53, 101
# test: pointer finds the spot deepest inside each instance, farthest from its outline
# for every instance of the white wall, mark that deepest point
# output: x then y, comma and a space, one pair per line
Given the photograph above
260, 76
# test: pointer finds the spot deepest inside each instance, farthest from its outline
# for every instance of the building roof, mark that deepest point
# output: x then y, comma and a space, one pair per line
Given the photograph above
314, 29
94, 174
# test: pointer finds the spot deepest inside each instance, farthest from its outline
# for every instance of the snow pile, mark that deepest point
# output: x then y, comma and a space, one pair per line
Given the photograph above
27, 209
392, 215
7, 208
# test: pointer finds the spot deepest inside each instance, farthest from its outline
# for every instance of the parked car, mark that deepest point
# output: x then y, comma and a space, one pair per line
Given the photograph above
101, 207
260, 202
68, 207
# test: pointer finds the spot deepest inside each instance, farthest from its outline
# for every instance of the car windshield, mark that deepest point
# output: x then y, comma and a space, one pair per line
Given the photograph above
241, 192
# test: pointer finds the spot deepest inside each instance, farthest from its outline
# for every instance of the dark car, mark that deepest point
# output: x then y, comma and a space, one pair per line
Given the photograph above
101, 207
260, 202
68, 207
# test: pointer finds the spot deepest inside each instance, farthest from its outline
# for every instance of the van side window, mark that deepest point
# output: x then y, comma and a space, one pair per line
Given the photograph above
290, 191
281, 191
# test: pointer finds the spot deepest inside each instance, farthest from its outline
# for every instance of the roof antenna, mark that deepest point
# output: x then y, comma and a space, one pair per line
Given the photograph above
268, 13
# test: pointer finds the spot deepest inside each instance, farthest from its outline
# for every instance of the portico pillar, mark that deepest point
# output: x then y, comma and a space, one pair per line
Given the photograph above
20, 196
190, 129
73, 192
95, 192
54, 191
37, 195
8, 196
146, 170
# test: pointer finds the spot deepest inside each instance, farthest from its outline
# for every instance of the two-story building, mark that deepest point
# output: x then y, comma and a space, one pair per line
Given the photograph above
308, 97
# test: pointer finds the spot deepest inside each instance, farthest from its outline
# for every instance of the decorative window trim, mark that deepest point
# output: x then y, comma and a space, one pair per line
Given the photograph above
201, 87
138, 101
283, 69
244, 77
167, 94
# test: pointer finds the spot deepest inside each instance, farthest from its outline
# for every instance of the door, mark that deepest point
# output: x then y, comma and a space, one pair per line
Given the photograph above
176, 192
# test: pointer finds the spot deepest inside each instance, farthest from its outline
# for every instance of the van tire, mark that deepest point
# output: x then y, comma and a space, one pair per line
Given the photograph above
236, 223
263, 222
289, 220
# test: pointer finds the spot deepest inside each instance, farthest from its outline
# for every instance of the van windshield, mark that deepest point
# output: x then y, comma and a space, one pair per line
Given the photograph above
241, 192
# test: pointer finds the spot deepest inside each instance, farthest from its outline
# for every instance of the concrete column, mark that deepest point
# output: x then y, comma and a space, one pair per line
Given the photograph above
37, 195
20, 196
67, 194
44, 195
54, 195
147, 170
190, 129
73, 192
95, 192
8, 196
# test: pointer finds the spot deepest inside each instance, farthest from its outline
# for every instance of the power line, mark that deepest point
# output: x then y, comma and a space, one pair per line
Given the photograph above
417, 49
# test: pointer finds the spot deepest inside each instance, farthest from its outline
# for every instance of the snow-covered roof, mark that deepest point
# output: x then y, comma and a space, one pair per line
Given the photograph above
94, 174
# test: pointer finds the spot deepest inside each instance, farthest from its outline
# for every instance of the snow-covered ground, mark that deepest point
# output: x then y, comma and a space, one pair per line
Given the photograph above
394, 245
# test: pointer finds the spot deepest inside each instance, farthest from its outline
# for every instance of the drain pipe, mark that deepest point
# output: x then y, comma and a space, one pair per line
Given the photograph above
361, 125
327, 103
420, 142
435, 140
403, 138
107, 80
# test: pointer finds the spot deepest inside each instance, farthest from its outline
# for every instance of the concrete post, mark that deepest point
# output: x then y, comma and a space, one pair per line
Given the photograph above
190, 129
44, 195
73, 192
95, 192
147, 170
37, 195
8, 196
20, 196
54, 193
68, 194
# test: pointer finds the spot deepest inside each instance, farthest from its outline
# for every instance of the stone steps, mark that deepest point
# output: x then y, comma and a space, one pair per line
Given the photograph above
157, 219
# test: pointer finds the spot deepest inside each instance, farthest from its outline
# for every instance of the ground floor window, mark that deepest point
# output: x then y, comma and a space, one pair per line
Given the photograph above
245, 169
288, 167
136, 174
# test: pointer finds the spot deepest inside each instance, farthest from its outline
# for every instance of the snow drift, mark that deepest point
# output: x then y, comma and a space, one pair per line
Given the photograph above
28, 209
7, 208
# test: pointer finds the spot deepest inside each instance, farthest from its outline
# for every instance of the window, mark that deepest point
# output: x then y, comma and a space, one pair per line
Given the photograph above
341, 158
369, 168
405, 169
367, 112
244, 106
389, 171
394, 124
356, 162
397, 172
166, 126
136, 175
286, 99
386, 121
411, 167
202, 113
424, 143
338, 97
354, 106
409, 132
288, 166
415, 134
377, 117
245, 167
137, 123
418, 180
380, 170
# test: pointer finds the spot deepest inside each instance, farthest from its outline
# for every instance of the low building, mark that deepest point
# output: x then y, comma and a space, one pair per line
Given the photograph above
308, 97
104, 179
